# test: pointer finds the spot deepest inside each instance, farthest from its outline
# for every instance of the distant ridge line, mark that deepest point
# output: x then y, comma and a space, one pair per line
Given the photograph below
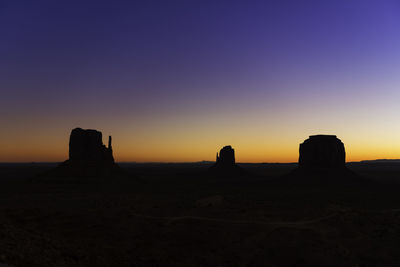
195, 162
380, 160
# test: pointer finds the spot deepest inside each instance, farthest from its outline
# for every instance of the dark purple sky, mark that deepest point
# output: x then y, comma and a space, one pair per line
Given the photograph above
182, 67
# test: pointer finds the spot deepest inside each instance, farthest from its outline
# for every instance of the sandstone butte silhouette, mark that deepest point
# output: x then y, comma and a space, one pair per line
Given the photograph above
225, 163
86, 148
322, 160
322, 151
88, 156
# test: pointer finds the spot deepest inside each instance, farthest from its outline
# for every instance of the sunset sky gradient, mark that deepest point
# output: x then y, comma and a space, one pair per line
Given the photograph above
174, 81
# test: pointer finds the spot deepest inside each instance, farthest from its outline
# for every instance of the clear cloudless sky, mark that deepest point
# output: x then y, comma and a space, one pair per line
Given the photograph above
177, 80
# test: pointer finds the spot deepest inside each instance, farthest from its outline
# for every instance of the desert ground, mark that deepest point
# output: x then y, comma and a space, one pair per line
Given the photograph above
181, 215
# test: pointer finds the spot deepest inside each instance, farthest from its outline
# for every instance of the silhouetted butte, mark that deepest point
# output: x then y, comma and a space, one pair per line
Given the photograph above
225, 162
322, 151
322, 162
88, 156
86, 147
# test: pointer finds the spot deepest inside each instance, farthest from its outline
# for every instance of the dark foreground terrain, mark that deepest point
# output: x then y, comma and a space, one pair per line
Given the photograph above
179, 215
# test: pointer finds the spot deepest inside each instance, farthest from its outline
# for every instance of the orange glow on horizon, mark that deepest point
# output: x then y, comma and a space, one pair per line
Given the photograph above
257, 135
268, 153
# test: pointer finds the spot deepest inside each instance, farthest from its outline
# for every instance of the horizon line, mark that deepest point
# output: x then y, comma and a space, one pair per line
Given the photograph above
182, 162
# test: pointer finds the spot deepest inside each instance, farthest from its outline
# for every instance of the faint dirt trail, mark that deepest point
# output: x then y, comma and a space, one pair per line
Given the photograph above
170, 220
387, 211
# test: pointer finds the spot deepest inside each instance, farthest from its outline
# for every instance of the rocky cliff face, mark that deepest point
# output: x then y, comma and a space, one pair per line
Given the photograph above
225, 163
86, 146
322, 151
88, 157
226, 156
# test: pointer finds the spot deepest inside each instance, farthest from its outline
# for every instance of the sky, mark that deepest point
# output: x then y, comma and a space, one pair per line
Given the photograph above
175, 81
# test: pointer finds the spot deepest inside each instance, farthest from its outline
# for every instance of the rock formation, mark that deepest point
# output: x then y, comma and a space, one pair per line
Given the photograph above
322, 151
226, 157
88, 157
321, 169
86, 147
225, 162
